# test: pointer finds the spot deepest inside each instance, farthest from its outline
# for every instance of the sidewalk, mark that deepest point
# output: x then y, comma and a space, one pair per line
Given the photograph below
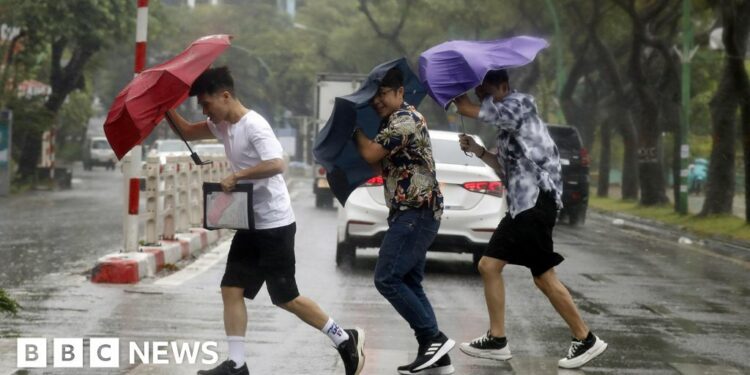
695, 202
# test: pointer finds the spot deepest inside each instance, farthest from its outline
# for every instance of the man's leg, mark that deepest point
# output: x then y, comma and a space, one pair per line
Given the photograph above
585, 346
395, 259
307, 310
491, 270
560, 298
235, 311
493, 344
235, 322
349, 343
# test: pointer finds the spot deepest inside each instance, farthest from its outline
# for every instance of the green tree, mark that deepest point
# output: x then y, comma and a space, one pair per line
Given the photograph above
63, 36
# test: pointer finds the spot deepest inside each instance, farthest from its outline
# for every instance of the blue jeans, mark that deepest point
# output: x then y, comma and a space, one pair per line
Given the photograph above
400, 268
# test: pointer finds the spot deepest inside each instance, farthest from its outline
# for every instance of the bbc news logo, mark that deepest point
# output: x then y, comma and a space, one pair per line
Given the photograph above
104, 352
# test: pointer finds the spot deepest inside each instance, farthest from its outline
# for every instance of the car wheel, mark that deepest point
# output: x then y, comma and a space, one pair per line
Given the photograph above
577, 217
345, 254
323, 200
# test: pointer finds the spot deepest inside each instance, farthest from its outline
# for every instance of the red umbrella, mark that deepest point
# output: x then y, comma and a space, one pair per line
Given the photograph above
141, 105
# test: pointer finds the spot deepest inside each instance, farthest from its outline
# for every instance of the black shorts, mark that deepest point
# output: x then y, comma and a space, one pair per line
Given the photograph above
265, 255
526, 240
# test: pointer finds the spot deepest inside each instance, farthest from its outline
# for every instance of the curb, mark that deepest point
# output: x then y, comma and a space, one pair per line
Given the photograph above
130, 268
723, 246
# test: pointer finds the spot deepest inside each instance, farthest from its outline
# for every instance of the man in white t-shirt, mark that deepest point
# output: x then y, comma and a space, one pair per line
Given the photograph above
265, 254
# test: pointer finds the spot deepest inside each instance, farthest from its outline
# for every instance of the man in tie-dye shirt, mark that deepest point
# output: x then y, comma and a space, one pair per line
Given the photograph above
528, 162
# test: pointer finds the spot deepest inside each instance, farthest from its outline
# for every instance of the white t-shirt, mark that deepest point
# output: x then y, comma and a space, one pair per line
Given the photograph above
247, 143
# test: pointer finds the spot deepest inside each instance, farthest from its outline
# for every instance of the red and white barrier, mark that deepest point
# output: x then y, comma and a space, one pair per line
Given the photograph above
130, 268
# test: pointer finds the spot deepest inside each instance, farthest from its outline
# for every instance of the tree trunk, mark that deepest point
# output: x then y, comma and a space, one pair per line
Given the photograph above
730, 95
63, 80
630, 160
746, 149
609, 70
605, 153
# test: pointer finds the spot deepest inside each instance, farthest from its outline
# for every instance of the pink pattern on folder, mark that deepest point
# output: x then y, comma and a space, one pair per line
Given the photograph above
218, 206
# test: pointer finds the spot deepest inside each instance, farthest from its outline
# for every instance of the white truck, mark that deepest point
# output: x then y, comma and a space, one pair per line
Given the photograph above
328, 87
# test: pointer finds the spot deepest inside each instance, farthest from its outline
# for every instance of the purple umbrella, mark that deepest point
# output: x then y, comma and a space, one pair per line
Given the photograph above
453, 68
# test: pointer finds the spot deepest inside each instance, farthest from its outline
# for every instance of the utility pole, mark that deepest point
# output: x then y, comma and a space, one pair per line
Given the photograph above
686, 55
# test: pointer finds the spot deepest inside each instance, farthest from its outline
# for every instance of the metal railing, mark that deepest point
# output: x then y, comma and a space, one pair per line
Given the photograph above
173, 194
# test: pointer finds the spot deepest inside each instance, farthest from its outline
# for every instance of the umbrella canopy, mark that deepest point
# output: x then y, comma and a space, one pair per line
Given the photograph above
140, 106
450, 69
334, 147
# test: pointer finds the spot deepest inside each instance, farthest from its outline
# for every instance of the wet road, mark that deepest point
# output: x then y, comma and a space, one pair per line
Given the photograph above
664, 308
54, 231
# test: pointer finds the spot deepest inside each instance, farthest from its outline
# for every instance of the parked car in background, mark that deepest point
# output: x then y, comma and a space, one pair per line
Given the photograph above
574, 159
98, 153
209, 149
473, 199
164, 148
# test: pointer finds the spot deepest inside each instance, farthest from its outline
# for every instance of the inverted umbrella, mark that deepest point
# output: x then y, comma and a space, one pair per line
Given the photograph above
334, 147
450, 69
141, 105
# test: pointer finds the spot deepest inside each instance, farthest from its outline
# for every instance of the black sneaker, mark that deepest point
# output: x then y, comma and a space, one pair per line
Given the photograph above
582, 351
442, 367
429, 354
352, 351
487, 346
226, 368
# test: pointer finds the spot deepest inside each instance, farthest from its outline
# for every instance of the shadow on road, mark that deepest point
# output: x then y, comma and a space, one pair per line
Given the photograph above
440, 264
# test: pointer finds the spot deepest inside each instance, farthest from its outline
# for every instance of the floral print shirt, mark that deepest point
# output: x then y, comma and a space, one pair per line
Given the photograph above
408, 169
526, 152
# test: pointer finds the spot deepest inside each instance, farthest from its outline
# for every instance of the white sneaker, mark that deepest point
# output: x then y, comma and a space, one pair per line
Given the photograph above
583, 351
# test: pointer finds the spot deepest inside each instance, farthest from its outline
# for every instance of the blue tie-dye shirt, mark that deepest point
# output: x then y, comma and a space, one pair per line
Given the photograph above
528, 156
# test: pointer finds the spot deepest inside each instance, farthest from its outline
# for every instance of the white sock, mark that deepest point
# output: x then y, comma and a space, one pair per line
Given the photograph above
334, 332
237, 349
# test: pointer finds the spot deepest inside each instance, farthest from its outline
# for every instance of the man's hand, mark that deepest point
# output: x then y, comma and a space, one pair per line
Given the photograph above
229, 183
466, 107
467, 143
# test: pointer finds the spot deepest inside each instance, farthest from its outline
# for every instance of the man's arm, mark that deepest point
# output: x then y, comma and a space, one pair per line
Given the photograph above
466, 107
264, 169
371, 151
468, 144
191, 132
503, 114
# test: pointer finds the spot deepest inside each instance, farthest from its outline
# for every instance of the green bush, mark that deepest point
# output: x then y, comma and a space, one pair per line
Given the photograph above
7, 304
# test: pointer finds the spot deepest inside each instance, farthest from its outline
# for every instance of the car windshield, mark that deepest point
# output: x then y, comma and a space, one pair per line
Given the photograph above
171, 146
565, 138
100, 145
447, 152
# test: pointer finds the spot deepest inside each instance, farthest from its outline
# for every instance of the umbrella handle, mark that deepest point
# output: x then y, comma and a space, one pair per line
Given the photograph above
463, 131
196, 159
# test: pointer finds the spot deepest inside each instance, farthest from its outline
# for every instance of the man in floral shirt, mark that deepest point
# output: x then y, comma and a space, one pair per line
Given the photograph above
528, 162
403, 153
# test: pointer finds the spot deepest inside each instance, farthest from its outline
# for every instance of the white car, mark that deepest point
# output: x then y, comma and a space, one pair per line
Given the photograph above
164, 148
97, 152
206, 149
473, 200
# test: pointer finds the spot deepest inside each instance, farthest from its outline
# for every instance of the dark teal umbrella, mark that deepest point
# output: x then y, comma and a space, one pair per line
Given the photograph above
334, 148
